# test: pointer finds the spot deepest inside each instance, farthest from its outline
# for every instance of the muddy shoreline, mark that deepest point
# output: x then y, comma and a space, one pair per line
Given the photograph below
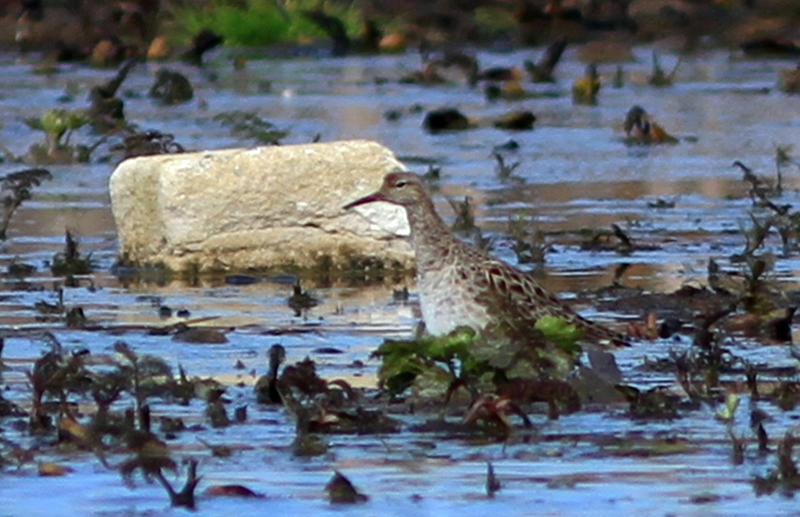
764, 25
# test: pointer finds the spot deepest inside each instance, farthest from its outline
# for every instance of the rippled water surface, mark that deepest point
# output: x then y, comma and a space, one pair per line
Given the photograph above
574, 173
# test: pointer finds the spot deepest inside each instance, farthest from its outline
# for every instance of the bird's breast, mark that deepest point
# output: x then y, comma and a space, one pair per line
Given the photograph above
448, 301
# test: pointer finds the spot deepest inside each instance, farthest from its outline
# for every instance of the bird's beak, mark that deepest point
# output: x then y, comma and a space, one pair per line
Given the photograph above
376, 196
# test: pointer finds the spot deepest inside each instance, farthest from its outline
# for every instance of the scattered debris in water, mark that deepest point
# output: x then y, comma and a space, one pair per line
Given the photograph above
171, 88
251, 126
147, 143
492, 482
301, 301
341, 490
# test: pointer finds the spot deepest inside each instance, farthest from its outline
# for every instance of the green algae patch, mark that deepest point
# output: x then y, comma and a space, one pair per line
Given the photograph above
560, 332
434, 359
516, 361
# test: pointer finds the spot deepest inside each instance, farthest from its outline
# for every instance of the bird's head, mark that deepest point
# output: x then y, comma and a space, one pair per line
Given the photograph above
399, 188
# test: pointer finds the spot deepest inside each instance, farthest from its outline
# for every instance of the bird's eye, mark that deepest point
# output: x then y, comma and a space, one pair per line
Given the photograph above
401, 184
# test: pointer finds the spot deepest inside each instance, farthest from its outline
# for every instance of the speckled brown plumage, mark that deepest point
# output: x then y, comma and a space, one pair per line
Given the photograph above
460, 285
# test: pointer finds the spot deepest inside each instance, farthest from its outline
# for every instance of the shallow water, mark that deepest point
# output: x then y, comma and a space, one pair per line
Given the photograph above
576, 173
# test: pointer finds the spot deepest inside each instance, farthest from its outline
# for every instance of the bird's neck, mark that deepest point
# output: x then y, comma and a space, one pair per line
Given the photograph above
430, 236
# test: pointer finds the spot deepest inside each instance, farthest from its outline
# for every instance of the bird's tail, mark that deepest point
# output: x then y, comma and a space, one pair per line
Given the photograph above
601, 335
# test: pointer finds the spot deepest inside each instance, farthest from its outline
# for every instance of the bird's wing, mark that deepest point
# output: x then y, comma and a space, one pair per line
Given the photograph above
513, 295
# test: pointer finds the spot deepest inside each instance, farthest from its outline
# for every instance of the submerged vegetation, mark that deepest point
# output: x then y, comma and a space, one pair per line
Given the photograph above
17, 188
490, 386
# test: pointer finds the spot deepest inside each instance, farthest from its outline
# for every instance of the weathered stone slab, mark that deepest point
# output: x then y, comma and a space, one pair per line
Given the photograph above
256, 208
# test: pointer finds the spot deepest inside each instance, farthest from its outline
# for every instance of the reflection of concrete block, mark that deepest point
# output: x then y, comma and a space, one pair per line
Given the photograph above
255, 208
